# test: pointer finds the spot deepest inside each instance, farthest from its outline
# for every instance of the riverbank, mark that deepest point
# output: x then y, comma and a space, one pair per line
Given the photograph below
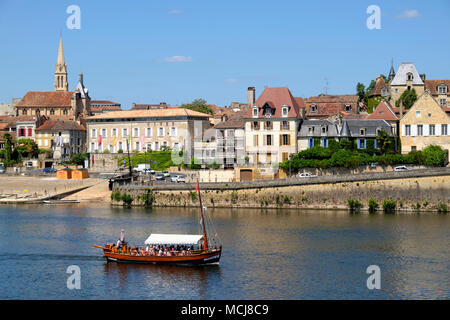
409, 194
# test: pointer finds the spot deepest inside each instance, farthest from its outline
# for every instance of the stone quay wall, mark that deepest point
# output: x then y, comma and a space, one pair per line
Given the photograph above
412, 189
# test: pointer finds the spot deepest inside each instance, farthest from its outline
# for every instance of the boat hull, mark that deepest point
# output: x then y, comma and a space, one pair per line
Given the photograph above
196, 259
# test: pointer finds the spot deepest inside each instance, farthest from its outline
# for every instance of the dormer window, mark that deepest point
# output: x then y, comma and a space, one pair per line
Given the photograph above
324, 129
362, 132
311, 130
442, 89
285, 111
409, 76
313, 108
348, 108
255, 112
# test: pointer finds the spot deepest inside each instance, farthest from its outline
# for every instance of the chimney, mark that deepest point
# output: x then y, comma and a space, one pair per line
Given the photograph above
303, 113
251, 96
401, 109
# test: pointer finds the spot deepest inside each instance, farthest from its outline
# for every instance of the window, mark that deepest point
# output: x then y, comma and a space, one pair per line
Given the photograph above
324, 142
313, 108
348, 108
120, 145
255, 125
310, 142
268, 140
52, 112
30, 132
432, 131
409, 76
255, 112
285, 140
407, 130
442, 89
311, 130
285, 111
104, 133
325, 129
268, 125
92, 146
362, 132
173, 132
161, 132
65, 112
285, 125
420, 130
157, 146
417, 114
24, 111
124, 133
443, 102
361, 143
149, 132
255, 140
114, 133
138, 146
444, 130
136, 132
413, 148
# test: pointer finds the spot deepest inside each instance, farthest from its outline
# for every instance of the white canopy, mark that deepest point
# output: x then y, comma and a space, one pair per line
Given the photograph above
177, 239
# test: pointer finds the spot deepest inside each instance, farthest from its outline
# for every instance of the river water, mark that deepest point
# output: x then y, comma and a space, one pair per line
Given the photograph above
268, 254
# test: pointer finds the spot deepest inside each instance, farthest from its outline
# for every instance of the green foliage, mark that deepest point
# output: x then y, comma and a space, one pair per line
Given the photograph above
194, 165
27, 148
198, 105
234, 197
193, 195
163, 159
373, 205
127, 199
343, 154
77, 159
354, 205
442, 208
389, 206
287, 199
408, 97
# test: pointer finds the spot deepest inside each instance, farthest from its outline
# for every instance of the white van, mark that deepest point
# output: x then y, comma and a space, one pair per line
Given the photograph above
142, 167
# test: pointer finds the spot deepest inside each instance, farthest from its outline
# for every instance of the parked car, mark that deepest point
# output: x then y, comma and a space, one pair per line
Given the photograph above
181, 179
402, 168
166, 173
49, 170
159, 176
2, 167
174, 178
142, 167
306, 175
152, 171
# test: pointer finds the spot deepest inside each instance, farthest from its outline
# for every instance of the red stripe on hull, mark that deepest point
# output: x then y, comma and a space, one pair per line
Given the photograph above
202, 258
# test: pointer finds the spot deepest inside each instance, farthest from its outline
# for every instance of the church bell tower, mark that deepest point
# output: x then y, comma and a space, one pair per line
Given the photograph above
61, 70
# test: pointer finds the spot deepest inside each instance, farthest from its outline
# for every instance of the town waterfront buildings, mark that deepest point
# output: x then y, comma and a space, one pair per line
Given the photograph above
170, 128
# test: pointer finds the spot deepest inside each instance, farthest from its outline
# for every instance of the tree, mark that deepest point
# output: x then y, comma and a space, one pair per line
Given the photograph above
8, 151
384, 142
198, 105
408, 97
361, 92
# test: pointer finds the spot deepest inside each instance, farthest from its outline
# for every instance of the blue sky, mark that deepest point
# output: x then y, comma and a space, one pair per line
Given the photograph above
177, 51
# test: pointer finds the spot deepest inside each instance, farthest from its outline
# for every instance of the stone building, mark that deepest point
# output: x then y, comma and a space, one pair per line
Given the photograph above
426, 123
169, 128
271, 126
439, 90
406, 78
60, 103
64, 137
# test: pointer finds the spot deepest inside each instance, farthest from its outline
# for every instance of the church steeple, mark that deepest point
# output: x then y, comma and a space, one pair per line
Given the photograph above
392, 72
61, 70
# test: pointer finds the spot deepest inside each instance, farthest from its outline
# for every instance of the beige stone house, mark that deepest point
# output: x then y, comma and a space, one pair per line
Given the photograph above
271, 126
153, 129
406, 78
425, 123
67, 135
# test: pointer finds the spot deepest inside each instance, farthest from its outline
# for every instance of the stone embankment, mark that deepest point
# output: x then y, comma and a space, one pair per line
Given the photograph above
427, 189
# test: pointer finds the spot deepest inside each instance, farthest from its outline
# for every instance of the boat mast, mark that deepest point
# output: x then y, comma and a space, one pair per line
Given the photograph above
203, 218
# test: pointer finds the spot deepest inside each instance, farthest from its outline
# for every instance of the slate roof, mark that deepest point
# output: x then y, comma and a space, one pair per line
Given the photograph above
401, 75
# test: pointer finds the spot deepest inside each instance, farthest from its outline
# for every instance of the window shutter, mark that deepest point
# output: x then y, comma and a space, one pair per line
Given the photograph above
358, 144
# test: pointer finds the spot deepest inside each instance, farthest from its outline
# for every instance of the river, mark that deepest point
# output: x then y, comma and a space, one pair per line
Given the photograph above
268, 254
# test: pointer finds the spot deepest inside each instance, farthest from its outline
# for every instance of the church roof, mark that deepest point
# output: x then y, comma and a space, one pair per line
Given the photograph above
39, 99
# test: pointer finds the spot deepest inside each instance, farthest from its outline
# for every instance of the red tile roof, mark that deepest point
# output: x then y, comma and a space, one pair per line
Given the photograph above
432, 85
61, 125
380, 84
327, 105
46, 99
383, 111
276, 97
